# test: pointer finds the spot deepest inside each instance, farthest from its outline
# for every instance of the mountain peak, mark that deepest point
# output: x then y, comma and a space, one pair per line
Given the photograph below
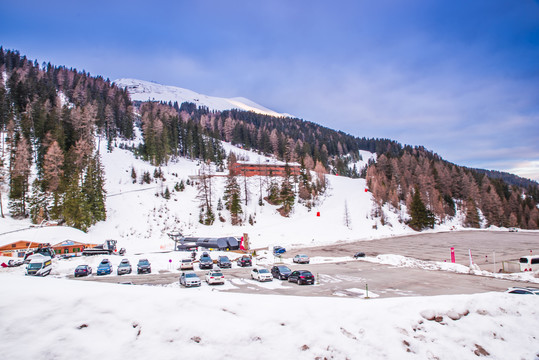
141, 90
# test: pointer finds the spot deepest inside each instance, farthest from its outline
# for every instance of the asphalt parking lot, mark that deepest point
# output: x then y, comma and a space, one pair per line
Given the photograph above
350, 278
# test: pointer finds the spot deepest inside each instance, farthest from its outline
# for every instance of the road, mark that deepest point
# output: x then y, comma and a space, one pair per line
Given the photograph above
351, 277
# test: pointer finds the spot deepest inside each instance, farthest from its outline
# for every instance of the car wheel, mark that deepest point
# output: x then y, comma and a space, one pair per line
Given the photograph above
300, 282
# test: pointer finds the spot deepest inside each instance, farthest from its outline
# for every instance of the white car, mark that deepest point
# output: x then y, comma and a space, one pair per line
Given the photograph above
186, 264
215, 277
523, 290
261, 274
189, 279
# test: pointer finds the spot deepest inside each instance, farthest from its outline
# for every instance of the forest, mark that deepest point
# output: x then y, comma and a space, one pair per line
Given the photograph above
51, 116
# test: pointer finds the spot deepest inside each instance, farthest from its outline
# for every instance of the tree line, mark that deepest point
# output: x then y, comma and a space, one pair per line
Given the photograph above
50, 118
431, 187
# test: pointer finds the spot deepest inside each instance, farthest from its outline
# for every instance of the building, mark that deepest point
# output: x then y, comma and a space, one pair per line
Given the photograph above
64, 240
268, 168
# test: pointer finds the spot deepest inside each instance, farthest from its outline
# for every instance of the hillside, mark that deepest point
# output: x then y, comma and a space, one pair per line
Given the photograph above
62, 131
140, 90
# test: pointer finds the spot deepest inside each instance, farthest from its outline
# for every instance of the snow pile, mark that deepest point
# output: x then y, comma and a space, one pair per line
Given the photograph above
46, 318
403, 261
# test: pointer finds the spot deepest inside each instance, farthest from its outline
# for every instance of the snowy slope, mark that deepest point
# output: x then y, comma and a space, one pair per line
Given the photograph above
140, 219
141, 90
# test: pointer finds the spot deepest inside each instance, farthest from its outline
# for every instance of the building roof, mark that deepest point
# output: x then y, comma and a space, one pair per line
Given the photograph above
268, 162
48, 234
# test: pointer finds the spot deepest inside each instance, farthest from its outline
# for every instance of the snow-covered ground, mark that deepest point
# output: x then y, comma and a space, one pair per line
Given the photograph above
49, 318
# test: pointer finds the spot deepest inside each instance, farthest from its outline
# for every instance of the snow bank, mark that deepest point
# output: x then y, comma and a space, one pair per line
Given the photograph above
46, 318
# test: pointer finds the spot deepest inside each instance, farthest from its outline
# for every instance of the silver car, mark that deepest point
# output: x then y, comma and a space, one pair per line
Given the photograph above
124, 267
301, 259
189, 279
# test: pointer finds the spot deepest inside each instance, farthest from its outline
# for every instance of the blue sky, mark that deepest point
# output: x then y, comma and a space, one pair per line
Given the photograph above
458, 77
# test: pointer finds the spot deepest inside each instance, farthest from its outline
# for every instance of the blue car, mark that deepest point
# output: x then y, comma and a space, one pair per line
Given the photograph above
278, 250
104, 268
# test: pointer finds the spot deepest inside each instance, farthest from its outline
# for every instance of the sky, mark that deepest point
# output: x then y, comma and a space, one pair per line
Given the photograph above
460, 78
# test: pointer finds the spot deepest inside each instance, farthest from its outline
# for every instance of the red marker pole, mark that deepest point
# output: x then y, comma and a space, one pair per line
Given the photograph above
453, 255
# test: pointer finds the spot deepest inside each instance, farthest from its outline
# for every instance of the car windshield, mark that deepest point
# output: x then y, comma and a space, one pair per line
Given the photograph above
104, 265
124, 264
302, 256
81, 267
186, 260
224, 259
306, 273
144, 262
191, 275
216, 274
34, 266
263, 271
205, 258
284, 269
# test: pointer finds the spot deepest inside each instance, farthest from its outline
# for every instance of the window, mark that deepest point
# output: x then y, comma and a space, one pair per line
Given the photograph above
535, 261
13, 245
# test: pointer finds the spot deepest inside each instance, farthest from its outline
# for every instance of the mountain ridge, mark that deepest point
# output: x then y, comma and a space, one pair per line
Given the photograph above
141, 90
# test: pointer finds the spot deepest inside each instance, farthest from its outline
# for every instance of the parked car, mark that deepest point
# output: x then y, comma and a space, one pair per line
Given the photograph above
205, 262
224, 262
189, 279
144, 267
359, 255
301, 277
278, 250
124, 267
39, 265
261, 274
280, 272
186, 264
301, 259
83, 270
529, 263
245, 260
523, 290
215, 277
104, 268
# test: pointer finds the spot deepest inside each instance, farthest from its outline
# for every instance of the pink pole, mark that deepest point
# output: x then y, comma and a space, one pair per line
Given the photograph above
453, 255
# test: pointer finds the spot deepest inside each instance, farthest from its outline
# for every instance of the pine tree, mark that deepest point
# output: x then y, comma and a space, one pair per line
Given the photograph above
287, 195
76, 211
166, 194
472, 216
133, 175
421, 216
219, 205
233, 199
38, 203
94, 190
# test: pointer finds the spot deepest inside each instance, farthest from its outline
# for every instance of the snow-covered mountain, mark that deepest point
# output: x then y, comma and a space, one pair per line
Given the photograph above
141, 90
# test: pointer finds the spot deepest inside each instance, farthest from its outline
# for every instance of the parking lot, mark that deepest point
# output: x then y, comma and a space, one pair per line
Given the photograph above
350, 277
